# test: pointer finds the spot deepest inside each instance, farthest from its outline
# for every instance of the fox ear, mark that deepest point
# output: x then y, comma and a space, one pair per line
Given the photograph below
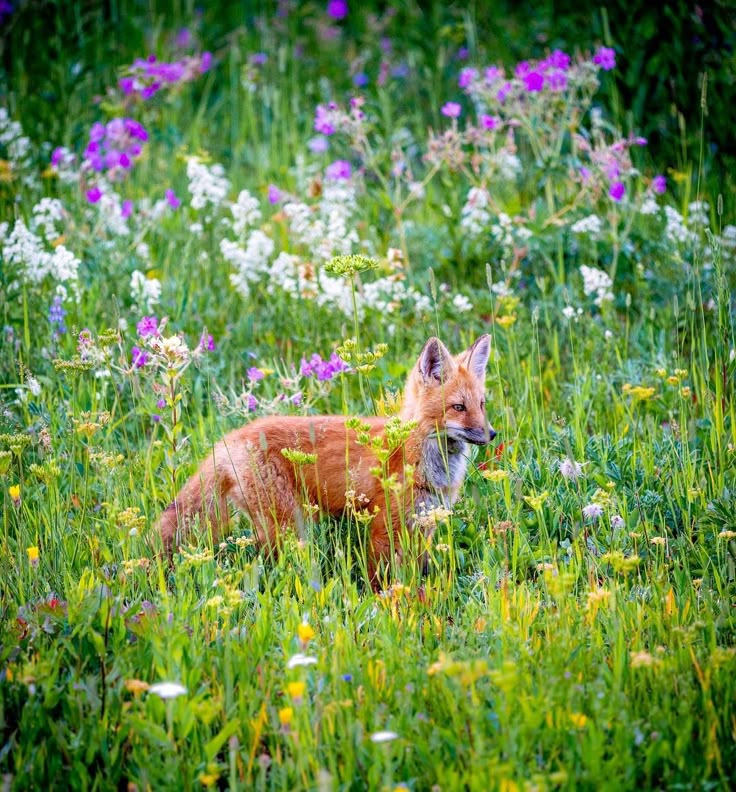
435, 362
476, 358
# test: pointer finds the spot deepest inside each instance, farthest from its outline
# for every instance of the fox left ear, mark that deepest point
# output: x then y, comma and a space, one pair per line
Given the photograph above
477, 357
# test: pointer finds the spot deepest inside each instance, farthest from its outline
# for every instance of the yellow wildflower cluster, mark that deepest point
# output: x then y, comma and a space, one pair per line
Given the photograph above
638, 392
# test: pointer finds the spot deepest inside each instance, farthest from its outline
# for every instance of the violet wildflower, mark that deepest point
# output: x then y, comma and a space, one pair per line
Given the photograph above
338, 170
617, 191
659, 184
252, 403
57, 155
172, 200
126, 208
296, 398
451, 109
205, 62
522, 69
161, 403
557, 80
94, 194
491, 74
139, 357
360, 79
323, 120
605, 58
570, 469
489, 121
156, 418
6, 9
258, 59
533, 81
57, 313
255, 374
462, 53
592, 511
274, 194
148, 326
207, 342
318, 144
467, 77
559, 60
503, 92
337, 9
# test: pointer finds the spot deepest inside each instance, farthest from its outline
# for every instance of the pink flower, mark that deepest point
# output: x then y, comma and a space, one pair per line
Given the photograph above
337, 170
467, 76
451, 109
206, 342
533, 81
255, 374
274, 194
617, 191
605, 58
94, 194
337, 9
148, 326
489, 122
126, 210
172, 200
659, 184
139, 357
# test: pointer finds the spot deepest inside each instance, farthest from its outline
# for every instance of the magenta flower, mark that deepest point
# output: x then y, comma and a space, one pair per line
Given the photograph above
503, 92
451, 109
659, 184
337, 9
489, 121
318, 144
559, 60
467, 76
206, 342
126, 209
557, 80
617, 191
492, 73
296, 398
338, 170
172, 200
323, 122
255, 374
258, 59
584, 174
324, 369
161, 403
94, 194
605, 58
533, 81
139, 357
252, 403
148, 326
57, 155
205, 62
274, 194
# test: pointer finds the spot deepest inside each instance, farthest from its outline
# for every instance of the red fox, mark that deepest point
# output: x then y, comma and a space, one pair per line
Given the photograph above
445, 401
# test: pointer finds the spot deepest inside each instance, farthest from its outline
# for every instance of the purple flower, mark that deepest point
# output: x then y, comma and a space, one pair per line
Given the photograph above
318, 144
56, 316
559, 60
274, 194
605, 58
492, 73
337, 170
139, 357
467, 76
156, 418
97, 132
503, 92
584, 174
205, 63
640, 141
659, 184
126, 209
296, 398
462, 53
258, 58
172, 200
533, 81
324, 369
161, 403
617, 191
451, 109
489, 121
57, 155
252, 403
148, 326
522, 69
557, 80
360, 79
206, 342
255, 374
323, 122
337, 9
94, 194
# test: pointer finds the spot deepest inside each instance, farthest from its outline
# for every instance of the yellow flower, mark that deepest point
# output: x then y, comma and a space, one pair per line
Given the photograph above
505, 321
209, 778
660, 541
136, 686
495, 475
536, 501
638, 392
642, 659
673, 380
686, 392
14, 492
32, 555
661, 372
296, 689
578, 719
305, 632
286, 715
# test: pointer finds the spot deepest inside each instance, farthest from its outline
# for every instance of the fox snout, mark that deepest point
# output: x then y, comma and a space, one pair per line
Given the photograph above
479, 436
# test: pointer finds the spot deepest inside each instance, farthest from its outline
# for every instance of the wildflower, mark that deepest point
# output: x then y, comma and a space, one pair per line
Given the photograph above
139, 357
658, 541
495, 475
337, 9
136, 686
168, 690
642, 659
383, 736
536, 501
56, 316
33, 555
172, 200
533, 81
578, 719
592, 511
338, 170
254, 374
94, 194
617, 522
14, 492
727, 534
211, 777
318, 144
570, 469
296, 690
148, 326
451, 109
617, 191
659, 184
299, 660
286, 715
489, 121
274, 194
206, 342
605, 57
638, 392
305, 633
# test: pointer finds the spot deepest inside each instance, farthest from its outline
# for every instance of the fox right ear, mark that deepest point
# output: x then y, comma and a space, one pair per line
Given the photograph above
435, 362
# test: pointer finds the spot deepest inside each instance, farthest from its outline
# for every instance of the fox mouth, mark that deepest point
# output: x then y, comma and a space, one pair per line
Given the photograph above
477, 437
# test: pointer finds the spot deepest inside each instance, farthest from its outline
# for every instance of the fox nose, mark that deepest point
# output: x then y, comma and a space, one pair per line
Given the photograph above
491, 433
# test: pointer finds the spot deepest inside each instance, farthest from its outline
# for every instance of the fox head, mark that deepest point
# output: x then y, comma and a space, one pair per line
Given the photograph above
446, 394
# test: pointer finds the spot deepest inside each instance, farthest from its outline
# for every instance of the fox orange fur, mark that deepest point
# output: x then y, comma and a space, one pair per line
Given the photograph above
444, 396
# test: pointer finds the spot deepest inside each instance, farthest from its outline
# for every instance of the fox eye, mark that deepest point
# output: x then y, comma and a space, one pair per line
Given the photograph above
458, 407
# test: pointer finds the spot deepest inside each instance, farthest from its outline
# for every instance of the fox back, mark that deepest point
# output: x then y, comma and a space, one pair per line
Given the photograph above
444, 399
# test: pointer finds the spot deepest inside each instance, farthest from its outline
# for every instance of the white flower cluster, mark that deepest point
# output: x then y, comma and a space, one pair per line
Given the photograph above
146, 292
109, 211
474, 216
508, 234
45, 216
18, 148
24, 249
590, 226
251, 262
675, 229
507, 164
597, 284
649, 206
246, 212
208, 186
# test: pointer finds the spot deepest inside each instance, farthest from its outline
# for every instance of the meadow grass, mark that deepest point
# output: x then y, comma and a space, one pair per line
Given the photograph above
576, 627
